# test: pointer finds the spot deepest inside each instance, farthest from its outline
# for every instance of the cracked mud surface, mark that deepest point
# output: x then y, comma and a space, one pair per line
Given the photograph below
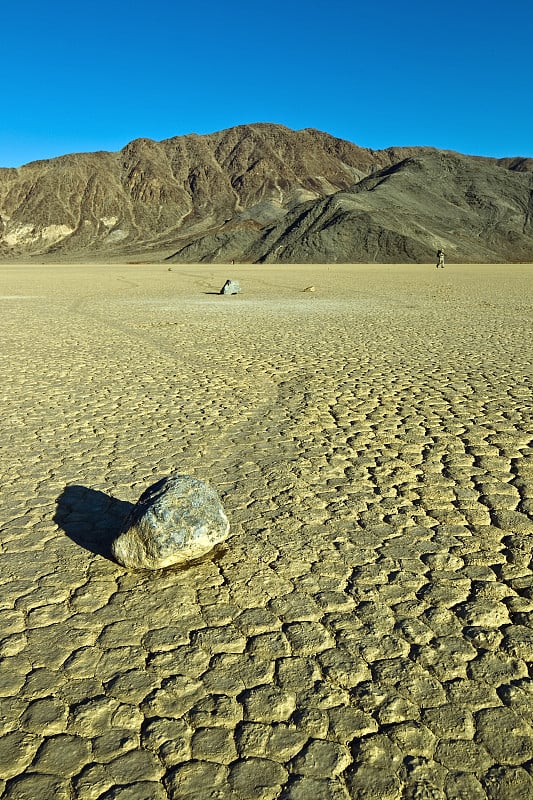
366, 632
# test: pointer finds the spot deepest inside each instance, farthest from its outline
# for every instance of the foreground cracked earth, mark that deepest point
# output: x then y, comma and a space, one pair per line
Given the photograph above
366, 632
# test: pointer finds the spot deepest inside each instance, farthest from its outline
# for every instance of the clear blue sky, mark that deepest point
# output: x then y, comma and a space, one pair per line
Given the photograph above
454, 74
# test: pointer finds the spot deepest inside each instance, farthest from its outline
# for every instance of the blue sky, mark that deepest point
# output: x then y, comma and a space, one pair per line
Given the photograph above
93, 76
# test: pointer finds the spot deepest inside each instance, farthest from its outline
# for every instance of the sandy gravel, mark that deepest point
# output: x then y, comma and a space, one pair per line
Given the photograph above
367, 632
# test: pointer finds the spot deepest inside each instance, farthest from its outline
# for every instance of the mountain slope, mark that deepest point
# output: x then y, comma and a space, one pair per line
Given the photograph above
475, 212
266, 193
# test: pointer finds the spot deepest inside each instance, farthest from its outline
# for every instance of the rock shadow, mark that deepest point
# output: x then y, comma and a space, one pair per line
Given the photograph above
90, 518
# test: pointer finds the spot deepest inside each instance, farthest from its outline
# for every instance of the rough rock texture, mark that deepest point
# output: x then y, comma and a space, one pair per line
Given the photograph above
176, 520
266, 193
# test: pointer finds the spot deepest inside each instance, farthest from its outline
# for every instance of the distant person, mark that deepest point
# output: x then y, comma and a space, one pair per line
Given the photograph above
440, 259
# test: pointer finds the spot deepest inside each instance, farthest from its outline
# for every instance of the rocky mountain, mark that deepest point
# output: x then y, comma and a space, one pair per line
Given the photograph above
264, 193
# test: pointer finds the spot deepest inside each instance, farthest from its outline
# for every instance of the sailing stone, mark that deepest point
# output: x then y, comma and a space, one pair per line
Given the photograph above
175, 521
231, 287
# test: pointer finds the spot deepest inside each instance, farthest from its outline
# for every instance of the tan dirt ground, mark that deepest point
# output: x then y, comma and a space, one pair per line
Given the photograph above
367, 631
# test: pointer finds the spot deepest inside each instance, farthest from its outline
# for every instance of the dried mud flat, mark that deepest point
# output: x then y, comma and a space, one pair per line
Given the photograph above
367, 631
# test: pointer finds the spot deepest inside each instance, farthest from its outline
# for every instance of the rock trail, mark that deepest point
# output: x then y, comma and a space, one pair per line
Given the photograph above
367, 630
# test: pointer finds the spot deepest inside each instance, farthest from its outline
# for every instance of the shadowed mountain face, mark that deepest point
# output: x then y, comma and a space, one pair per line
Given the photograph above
264, 193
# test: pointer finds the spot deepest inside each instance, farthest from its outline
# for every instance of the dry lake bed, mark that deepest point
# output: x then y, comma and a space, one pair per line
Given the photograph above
367, 630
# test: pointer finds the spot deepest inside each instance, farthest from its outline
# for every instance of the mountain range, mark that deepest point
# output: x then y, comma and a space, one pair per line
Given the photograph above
263, 193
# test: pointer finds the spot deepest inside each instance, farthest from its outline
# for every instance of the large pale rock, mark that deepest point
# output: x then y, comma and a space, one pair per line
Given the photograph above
175, 521
231, 287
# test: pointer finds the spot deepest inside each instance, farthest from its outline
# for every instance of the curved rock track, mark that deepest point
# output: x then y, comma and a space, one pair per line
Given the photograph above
367, 632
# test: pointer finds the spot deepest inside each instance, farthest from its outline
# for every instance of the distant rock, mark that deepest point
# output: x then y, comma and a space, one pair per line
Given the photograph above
231, 287
176, 520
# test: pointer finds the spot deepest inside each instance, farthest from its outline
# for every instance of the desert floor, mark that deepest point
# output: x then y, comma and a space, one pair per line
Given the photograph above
367, 630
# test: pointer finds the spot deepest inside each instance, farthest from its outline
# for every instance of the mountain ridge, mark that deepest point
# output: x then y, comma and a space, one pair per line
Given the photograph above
236, 195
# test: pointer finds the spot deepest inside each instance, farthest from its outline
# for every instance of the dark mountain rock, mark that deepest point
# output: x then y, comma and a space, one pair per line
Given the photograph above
265, 193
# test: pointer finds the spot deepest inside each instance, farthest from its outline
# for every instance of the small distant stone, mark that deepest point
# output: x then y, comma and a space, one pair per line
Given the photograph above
310, 289
175, 521
231, 287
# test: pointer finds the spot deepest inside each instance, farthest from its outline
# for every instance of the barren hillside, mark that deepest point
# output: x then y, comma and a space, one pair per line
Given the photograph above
266, 193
